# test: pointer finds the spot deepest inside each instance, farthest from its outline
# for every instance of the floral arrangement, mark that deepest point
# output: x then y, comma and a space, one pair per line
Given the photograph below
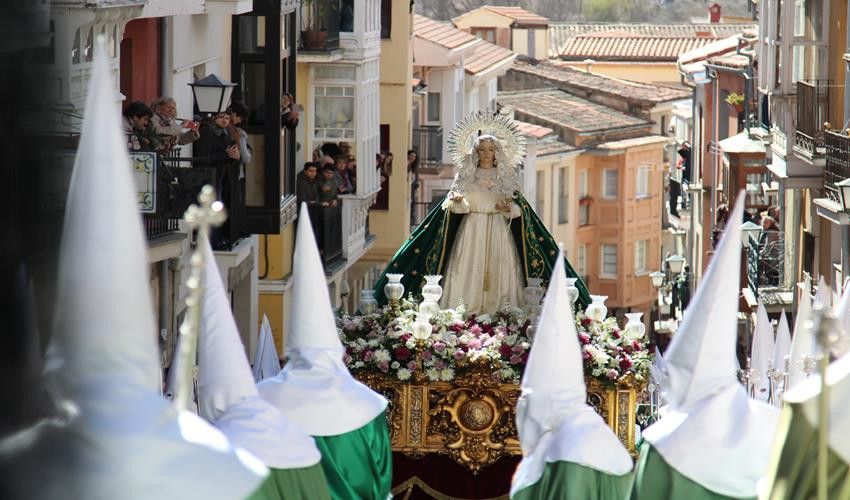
609, 352
383, 342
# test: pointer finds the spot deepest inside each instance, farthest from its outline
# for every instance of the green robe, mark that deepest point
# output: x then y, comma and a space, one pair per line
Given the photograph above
427, 251
568, 480
655, 479
306, 483
794, 475
358, 464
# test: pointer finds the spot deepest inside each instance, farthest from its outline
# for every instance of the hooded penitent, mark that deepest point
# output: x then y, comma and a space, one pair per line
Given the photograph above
761, 358
803, 341
553, 419
315, 388
712, 433
228, 396
125, 440
266, 362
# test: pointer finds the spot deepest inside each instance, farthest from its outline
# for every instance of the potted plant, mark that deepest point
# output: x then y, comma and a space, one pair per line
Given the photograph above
314, 34
585, 200
736, 100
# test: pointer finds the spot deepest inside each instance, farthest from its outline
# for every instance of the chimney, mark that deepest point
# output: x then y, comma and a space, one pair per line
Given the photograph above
714, 13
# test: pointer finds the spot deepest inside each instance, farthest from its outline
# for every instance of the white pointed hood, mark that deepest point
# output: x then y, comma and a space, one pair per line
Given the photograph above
803, 341
128, 441
842, 309
228, 396
315, 388
782, 348
712, 433
266, 361
761, 356
553, 419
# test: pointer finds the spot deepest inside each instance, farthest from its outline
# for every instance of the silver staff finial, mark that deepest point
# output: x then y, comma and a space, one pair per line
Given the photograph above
210, 213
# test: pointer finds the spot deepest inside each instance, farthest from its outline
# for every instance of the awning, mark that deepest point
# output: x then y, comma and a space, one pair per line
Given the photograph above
741, 143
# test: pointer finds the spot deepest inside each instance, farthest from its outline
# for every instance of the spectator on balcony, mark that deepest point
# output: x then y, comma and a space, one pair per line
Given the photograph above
290, 112
238, 112
343, 181
328, 189
216, 148
385, 169
330, 151
168, 127
345, 148
773, 211
307, 186
137, 127
317, 156
352, 172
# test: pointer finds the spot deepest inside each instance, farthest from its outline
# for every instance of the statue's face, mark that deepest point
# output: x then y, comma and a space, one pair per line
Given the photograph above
486, 153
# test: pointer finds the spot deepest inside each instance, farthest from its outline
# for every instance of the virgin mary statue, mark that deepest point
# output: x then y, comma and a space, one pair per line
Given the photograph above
484, 238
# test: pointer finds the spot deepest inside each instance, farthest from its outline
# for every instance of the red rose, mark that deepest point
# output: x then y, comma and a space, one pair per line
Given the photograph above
505, 350
586, 321
402, 353
625, 363
615, 333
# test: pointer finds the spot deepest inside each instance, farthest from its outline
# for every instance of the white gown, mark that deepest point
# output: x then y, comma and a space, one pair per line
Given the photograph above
483, 271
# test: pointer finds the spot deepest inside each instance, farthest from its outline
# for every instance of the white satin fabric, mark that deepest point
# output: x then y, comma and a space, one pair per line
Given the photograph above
483, 249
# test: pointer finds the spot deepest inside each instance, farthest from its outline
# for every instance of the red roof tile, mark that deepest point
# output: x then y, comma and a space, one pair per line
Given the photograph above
521, 16
484, 56
600, 47
532, 130
442, 34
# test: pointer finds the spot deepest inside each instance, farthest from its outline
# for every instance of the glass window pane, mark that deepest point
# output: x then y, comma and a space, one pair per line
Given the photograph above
433, 107
253, 86
252, 34
75, 51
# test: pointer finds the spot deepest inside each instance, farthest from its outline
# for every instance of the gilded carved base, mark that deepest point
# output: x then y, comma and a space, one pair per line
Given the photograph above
472, 419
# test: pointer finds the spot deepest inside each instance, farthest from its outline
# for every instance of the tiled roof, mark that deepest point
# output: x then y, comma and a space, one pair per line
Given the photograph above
556, 107
532, 130
567, 78
521, 16
560, 33
719, 52
484, 56
617, 47
442, 34
554, 147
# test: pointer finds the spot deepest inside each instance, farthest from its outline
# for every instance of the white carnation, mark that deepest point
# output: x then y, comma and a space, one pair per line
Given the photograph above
382, 355
447, 374
433, 374
403, 374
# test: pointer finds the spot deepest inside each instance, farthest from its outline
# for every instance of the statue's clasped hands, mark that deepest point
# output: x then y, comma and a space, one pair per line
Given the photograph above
504, 206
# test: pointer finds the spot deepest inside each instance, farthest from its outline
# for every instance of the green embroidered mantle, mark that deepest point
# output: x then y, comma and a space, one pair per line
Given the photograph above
427, 251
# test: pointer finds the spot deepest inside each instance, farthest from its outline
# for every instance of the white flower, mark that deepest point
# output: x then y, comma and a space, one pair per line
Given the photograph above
433, 374
511, 339
411, 343
395, 365
403, 374
447, 374
373, 342
382, 355
358, 364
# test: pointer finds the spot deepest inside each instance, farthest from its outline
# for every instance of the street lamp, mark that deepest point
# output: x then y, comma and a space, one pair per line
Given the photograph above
212, 94
844, 193
657, 279
676, 263
749, 230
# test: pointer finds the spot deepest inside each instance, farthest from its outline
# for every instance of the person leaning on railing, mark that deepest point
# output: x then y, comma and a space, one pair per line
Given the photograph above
215, 148
168, 126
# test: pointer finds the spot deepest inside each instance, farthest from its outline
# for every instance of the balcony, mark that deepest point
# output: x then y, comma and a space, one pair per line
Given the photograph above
766, 262
812, 114
837, 163
428, 144
321, 24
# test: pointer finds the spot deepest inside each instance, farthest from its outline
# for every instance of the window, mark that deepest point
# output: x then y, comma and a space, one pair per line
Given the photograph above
640, 256
563, 196
642, 190
488, 34
581, 260
531, 45
433, 107
334, 116
609, 261
610, 178
89, 52
584, 206
386, 18
540, 195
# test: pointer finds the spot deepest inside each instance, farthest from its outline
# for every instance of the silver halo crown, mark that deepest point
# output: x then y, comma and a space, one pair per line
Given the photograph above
503, 127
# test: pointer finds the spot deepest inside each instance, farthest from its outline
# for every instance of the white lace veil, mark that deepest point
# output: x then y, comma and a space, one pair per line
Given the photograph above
510, 150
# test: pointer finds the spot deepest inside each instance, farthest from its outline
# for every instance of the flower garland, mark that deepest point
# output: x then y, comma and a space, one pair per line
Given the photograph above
383, 342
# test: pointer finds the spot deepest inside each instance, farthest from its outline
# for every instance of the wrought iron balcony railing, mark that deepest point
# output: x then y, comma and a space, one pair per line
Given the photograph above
812, 113
837, 166
428, 144
766, 261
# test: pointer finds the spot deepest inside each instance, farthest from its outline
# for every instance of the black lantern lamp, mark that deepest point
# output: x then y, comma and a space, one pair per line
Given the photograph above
212, 94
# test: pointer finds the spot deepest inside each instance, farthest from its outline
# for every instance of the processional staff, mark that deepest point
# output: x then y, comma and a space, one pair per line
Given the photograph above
210, 213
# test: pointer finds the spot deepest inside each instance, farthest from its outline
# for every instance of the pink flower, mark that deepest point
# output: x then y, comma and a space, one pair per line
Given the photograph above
625, 362
412, 366
612, 374
489, 341
459, 355
615, 333
439, 346
368, 355
346, 358
584, 338
475, 330
585, 355
384, 366
516, 359
517, 348
636, 345
426, 355
439, 364
475, 344
404, 337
